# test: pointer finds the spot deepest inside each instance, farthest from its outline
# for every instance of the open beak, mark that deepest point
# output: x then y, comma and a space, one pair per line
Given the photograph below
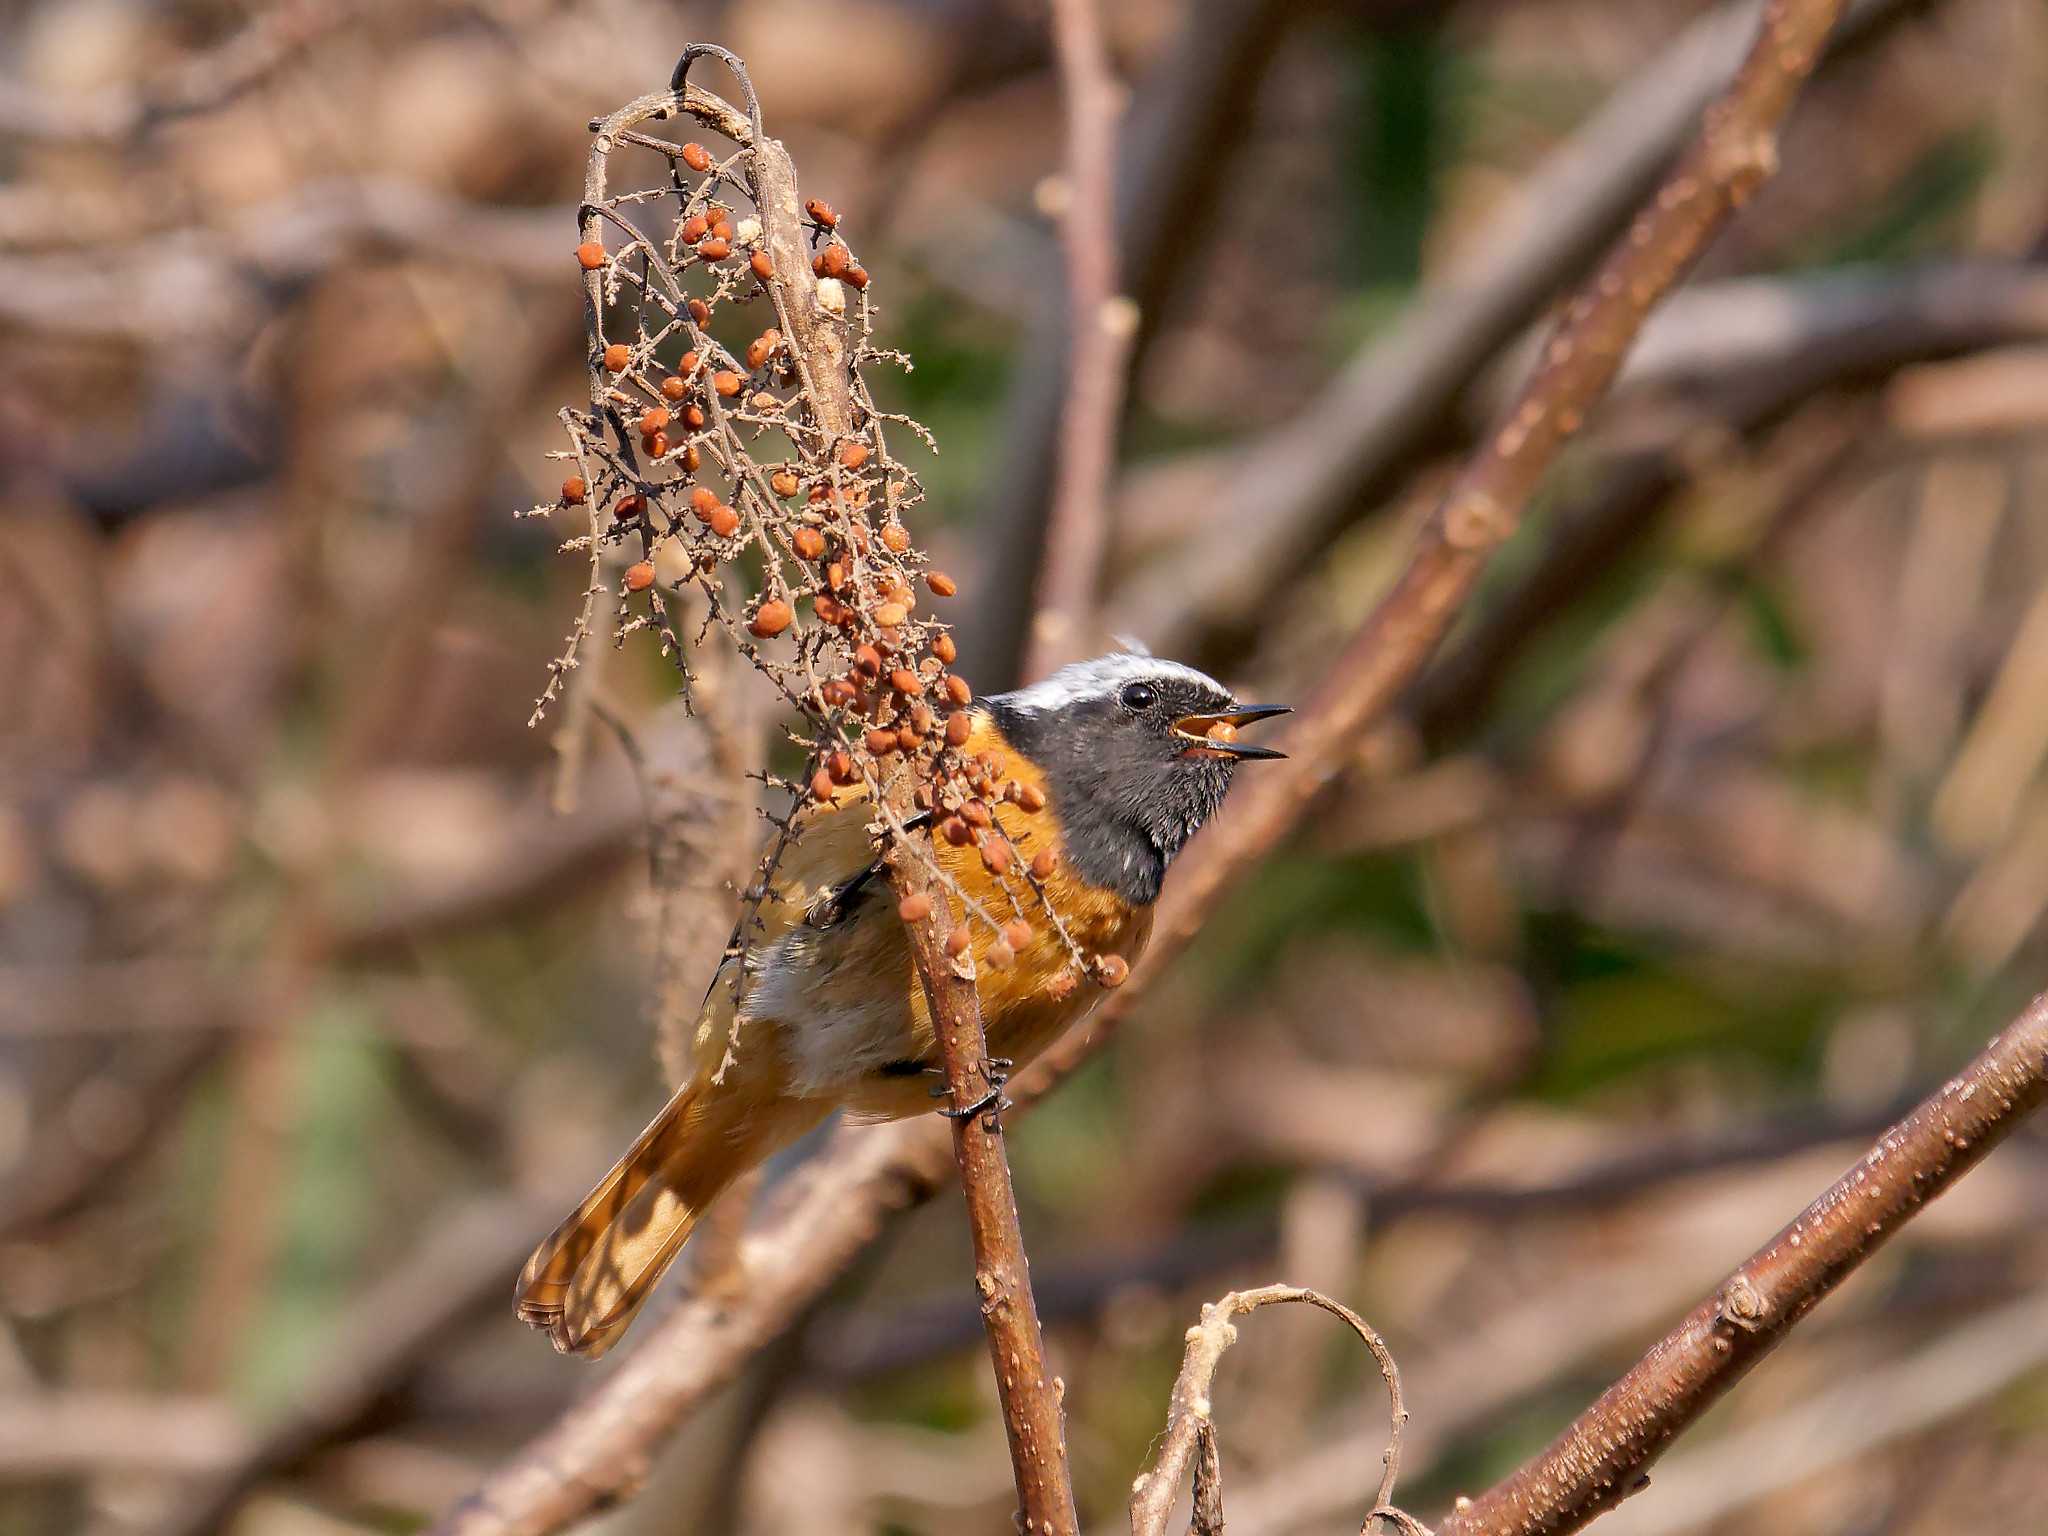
1216, 735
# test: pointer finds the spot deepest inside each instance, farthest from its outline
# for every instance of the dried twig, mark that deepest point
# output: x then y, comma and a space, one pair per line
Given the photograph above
1736, 148
1190, 1419
1606, 1452
1077, 529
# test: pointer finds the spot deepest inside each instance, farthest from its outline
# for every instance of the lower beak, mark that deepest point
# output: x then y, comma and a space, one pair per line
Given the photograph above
1203, 737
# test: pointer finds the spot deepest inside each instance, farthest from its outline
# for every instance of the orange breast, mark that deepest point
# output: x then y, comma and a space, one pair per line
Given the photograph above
1026, 1004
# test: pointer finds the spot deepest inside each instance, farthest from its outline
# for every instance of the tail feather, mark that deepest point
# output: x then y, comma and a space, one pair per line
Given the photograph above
594, 1272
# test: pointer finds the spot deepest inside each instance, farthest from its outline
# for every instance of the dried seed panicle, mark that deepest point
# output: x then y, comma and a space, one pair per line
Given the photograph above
767, 480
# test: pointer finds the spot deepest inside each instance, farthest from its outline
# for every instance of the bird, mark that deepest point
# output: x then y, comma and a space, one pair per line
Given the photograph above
1118, 762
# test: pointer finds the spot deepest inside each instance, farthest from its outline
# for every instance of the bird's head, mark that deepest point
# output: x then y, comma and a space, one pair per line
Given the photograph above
1137, 753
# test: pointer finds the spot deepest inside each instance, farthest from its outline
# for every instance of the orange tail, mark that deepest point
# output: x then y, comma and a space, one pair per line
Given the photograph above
588, 1281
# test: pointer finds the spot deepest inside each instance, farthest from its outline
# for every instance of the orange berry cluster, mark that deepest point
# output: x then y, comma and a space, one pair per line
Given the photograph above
804, 559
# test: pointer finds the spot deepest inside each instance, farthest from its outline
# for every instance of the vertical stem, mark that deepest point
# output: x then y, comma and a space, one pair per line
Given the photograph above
1034, 1418
1100, 329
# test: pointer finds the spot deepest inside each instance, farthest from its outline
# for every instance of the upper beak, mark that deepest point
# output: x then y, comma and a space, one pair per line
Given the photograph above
1195, 731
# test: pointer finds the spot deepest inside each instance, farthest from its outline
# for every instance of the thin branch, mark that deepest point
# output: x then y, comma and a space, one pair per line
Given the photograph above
1034, 1418
1191, 1415
1606, 1452
1101, 326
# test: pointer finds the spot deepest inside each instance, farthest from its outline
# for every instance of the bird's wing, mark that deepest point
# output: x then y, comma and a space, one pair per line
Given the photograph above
797, 946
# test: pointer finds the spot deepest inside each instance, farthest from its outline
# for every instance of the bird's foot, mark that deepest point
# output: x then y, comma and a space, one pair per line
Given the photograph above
995, 1071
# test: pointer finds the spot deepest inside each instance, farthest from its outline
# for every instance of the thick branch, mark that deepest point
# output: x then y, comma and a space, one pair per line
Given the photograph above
1605, 1453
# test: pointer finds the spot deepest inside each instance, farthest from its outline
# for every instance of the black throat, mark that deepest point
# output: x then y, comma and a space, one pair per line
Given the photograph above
1119, 835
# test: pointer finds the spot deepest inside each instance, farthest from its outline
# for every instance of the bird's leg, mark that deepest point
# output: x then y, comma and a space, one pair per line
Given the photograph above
995, 1071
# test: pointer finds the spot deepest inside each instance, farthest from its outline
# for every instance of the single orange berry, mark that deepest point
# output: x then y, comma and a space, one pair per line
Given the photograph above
905, 681
687, 363
691, 458
574, 490
726, 382
1043, 863
652, 420
1031, 799
808, 543
906, 737
956, 831
784, 482
699, 311
868, 660
832, 261
977, 814
617, 355
702, 500
1017, 933
821, 211
840, 766
995, 856
763, 346
915, 907
693, 417
1112, 970
856, 277
941, 584
764, 267
673, 388
821, 785
889, 615
696, 156
999, 955
656, 444
828, 610
958, 691
695, 228
852, 453
773, 617
958, 729
946, 650
590, 255
640, 576
1061, 987
957, 942
629, 507
711, 248
896, 538
724, 522
880, 743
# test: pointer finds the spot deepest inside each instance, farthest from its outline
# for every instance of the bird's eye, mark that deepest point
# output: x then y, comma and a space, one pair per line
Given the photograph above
1139, 696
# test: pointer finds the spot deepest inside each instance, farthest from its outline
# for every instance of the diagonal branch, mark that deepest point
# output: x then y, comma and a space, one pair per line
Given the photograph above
1606, 1452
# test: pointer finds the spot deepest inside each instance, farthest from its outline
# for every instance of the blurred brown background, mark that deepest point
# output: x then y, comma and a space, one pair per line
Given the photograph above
1718, 831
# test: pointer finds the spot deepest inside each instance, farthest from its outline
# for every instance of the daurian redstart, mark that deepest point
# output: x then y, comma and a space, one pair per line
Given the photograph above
1126, 752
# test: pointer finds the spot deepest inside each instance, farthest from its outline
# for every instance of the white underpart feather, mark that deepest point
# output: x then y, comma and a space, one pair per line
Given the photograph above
1102, 677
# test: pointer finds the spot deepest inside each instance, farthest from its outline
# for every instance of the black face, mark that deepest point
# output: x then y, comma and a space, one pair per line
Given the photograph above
1127, 768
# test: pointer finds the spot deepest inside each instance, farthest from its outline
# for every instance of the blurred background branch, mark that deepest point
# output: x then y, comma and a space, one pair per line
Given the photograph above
1712, 836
